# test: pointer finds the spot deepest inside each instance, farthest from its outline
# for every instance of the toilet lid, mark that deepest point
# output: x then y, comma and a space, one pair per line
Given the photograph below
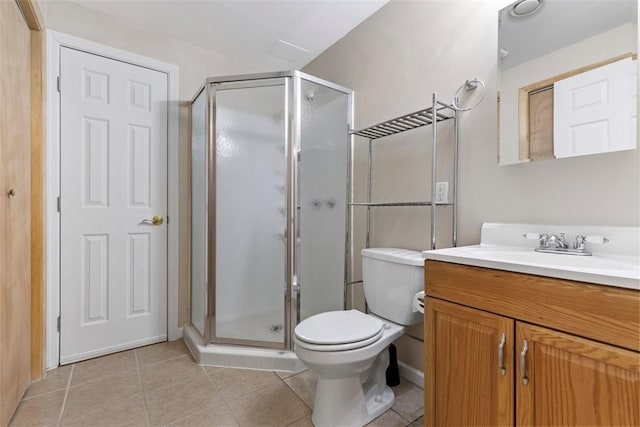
338, 327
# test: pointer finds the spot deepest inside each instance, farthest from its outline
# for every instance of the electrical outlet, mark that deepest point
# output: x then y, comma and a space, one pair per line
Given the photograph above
442, 190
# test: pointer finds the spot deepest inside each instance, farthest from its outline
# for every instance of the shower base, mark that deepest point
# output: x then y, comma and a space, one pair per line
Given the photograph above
239, 356
267, 326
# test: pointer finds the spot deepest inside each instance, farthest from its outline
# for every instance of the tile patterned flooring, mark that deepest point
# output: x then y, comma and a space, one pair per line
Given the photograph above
161, 385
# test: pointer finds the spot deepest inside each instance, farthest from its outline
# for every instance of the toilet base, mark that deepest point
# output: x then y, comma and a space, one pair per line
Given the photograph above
347, 402
350, 402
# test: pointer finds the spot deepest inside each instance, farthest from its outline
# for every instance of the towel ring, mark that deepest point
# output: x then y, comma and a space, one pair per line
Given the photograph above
469, 85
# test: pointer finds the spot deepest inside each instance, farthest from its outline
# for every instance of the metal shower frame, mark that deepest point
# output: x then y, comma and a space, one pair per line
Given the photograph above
293, 98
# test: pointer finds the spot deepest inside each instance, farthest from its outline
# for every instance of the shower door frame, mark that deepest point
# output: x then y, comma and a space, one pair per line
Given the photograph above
292, 108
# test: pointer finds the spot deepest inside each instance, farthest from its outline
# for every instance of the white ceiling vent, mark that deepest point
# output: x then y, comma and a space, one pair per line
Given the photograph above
287, 51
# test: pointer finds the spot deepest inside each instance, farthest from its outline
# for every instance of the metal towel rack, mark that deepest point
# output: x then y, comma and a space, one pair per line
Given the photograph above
436, 113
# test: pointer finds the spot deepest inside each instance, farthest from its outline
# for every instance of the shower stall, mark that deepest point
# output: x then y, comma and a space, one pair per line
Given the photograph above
270, 159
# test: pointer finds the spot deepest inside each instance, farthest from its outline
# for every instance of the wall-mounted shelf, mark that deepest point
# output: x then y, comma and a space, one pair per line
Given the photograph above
408, 122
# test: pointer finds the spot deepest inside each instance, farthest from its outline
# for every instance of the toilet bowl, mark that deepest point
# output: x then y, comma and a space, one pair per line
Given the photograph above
349, 349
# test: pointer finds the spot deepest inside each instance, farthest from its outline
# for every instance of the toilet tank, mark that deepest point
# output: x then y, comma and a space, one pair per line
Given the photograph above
391, 277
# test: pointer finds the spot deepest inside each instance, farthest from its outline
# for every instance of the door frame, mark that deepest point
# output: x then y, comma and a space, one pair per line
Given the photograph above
33, 18
55, 41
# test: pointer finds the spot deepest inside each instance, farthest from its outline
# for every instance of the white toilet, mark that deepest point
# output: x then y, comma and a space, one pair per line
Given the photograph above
348, 349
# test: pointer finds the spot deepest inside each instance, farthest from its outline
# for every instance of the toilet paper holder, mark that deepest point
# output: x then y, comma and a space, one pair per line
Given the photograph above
418, 302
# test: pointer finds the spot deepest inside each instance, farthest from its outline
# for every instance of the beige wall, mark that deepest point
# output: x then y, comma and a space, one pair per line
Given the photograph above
194, 63
408, 49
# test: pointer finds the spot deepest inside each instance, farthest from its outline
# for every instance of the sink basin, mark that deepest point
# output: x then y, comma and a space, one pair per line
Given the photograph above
607, 269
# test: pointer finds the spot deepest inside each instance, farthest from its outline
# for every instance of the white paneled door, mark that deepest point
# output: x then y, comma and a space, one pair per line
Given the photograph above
595, 111
113, 203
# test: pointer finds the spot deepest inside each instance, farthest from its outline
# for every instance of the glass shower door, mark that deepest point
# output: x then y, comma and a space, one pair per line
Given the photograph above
251, 132
322, 197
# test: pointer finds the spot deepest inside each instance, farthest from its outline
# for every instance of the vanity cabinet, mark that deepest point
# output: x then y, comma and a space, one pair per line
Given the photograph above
462, 347
580, 365
574, 381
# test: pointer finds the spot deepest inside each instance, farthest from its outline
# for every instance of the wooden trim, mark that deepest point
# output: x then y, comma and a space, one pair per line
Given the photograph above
429, 364
31, 14
602, 313
523, 99
523, 124
541, 124
37, 207
34, 21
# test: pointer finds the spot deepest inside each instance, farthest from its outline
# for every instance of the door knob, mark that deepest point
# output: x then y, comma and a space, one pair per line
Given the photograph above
156, 220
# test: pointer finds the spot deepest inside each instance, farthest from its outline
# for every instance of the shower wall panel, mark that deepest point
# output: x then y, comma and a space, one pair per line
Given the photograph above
322, 196
198, 212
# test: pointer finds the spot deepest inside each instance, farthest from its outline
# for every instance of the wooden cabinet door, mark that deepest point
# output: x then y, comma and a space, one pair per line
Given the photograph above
15, 208
575, 381
464, 384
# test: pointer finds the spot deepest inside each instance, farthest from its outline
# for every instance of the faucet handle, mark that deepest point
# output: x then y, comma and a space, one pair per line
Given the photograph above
596, 239
531, 236
542, 238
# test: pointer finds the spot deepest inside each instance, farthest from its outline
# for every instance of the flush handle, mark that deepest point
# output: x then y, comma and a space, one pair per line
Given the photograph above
503, 340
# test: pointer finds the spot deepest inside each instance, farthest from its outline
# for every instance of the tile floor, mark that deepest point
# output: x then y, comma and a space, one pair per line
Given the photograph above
162, 385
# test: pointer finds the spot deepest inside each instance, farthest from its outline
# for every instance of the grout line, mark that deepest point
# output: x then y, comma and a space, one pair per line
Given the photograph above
24, 399
174, 384
166, 360
401, 416
66, 394
295, 392
174, 422
144, 399
298, 396
224, 400
304, 416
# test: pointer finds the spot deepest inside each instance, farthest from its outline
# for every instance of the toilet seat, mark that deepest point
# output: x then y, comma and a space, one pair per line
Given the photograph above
338, 331
337, 347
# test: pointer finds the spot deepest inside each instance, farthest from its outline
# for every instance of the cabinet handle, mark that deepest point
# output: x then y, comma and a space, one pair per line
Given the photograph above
523, 362
503, 340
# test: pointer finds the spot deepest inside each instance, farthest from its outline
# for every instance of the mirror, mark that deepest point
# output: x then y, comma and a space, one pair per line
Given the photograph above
566, 78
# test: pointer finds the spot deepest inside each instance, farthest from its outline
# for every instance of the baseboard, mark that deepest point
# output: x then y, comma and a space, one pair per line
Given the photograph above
112, 349
412, 374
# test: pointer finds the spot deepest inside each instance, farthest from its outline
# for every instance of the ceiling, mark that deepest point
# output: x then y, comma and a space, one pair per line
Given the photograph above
270, 34
559, 23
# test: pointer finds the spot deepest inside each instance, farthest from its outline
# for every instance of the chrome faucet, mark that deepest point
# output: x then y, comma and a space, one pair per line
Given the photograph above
557, 242
558, 245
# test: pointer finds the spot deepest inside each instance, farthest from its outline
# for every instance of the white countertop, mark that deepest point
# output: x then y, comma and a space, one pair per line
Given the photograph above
618, 265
